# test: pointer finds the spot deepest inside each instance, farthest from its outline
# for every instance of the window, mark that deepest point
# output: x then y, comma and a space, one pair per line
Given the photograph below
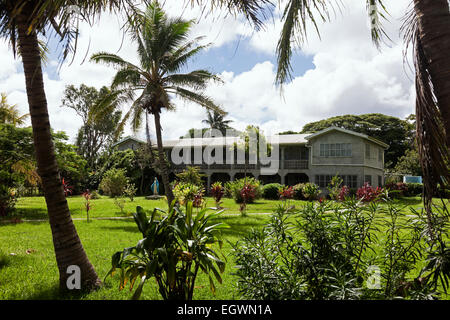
380, 181
368, 179
335, 149
367, 151
350, 181
323, 180
380, 155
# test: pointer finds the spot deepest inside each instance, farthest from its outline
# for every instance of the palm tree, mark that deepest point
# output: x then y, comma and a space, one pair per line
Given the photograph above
21, 21
216, 121
163, 50
10, 113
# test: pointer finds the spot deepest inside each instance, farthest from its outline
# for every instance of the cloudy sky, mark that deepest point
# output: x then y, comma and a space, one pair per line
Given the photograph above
340, 73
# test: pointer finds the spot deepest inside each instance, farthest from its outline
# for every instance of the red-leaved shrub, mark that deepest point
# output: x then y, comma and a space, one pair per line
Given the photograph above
367, 193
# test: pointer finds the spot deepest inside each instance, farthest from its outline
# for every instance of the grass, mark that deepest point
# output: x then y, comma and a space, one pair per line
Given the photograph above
28, 268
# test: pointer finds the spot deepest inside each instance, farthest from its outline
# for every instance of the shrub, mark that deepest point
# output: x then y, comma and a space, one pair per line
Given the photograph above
130, 191
311, 191
326, 253
95, 195
253, 190
367, 193
298, 191
217, 192
396, 190
228, 189
120, 203
173, 250
114, 182
185, 192
286, 193
8, 200
270, 191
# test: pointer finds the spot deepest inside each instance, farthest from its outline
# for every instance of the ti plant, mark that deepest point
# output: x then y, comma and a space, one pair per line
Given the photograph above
176, 245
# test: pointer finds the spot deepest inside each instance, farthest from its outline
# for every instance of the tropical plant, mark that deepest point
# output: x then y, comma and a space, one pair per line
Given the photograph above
10, 113
114, 182
188, 192
344, 192
87, 202
217, 192
311, 191
163, 50
68, 189
216, 121
298, 191
367, 193
334, 187
329, 251
119, 202
22, 22
253, 190
173, 250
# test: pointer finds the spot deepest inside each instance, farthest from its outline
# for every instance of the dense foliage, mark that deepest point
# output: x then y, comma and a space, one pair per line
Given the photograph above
334, 251
114, 182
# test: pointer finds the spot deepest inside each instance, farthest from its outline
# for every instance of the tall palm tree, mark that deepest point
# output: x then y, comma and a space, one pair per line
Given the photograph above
163, 50
10, 113
21, 21
216, 121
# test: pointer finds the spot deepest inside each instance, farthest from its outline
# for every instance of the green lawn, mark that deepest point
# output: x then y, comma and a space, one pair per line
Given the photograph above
34, 275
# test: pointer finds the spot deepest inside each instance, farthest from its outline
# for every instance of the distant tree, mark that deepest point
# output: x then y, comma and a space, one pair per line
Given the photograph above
216, 120
10, 113
409, 164
288, 132
397, 133
97, 132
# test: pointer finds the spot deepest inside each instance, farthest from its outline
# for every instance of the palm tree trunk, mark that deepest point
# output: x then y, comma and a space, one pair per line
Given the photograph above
162, 160
434, 32
68, 248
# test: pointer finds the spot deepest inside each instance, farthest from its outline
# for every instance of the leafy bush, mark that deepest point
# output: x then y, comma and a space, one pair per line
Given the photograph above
114, 182
367, 193
130, 191
8, 200
298, 191
396, 190
286, 193
95, 195
311, 191
270, 191
173, 250
253, 190
330, 250
120, 203
228, 189
185, 192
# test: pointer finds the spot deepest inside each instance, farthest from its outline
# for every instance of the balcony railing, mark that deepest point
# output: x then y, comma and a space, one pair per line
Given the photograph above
295, 164
287, 164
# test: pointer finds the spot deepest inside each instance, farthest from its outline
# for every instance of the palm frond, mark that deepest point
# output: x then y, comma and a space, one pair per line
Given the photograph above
376, 27
197, 80
198, 98
113, 60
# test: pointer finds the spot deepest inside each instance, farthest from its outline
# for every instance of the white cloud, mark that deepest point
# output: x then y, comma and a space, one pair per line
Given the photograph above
350, 74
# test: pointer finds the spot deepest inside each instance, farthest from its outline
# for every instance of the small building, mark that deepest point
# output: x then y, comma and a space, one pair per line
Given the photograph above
315, 157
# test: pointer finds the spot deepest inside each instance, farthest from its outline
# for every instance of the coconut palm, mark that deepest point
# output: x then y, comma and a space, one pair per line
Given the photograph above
21, 21
10, 113
216, 121
164, 49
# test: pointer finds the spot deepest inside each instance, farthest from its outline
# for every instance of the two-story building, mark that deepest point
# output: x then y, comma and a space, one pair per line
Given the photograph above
316, 157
